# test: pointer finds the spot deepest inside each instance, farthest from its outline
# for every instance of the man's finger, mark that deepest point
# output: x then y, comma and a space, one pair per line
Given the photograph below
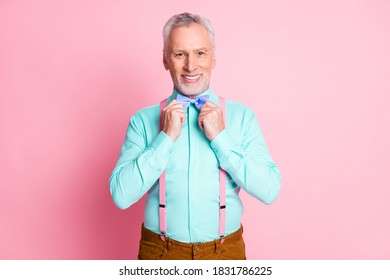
200, 122
174, 103
173, 107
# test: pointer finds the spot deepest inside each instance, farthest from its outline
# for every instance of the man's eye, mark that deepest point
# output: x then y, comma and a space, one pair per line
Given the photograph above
179, 55
201, 53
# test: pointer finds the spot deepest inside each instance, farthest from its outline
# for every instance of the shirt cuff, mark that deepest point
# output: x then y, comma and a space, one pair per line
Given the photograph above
163, 144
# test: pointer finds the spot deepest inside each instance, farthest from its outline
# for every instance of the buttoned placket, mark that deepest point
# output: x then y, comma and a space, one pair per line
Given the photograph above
193, 172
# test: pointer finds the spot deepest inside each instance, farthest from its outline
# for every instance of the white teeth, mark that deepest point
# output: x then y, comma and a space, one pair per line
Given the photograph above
191, 77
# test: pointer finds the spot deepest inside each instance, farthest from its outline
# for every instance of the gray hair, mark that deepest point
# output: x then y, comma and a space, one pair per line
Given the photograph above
186, 19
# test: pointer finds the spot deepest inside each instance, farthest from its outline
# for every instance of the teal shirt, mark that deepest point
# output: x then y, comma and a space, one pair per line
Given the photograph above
192, 171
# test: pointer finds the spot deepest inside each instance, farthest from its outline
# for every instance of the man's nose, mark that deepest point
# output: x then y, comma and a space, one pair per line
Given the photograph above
190, 64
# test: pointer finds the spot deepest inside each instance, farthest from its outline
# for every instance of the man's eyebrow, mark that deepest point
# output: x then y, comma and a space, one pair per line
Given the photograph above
196, 50
173, 51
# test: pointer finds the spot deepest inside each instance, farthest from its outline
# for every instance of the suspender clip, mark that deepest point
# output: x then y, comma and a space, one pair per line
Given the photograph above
162, 236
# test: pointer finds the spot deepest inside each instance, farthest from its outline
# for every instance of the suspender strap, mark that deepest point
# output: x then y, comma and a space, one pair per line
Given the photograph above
162, 185
222, 185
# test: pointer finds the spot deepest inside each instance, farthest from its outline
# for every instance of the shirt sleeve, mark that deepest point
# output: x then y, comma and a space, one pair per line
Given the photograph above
139, 165
249, 163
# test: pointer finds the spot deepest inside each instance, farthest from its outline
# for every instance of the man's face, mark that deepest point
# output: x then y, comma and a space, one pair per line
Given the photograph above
190, 59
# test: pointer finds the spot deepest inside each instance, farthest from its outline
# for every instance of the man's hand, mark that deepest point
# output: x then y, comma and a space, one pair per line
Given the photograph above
173, 118
211, 120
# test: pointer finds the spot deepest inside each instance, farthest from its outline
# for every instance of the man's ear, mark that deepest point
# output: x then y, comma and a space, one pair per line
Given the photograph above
214, 62
165, 62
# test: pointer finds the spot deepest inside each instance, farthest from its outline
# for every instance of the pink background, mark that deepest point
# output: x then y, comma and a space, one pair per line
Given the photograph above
315, 72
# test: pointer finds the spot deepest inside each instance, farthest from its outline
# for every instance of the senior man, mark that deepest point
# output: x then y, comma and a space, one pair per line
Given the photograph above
191, 154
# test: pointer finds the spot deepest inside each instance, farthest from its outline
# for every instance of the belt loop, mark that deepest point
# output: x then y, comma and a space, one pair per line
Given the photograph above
166, 244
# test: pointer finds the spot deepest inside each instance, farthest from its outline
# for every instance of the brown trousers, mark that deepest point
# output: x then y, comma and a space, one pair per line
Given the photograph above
153, 248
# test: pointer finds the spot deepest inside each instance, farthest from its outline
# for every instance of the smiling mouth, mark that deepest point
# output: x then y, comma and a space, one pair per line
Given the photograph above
191, 78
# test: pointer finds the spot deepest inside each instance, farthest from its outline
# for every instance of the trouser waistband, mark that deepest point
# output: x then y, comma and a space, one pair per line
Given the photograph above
151, 236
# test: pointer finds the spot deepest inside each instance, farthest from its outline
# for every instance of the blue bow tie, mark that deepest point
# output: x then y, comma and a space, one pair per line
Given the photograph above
198, 101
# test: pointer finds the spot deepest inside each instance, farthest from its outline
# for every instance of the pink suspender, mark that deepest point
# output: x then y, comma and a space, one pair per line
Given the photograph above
222, 186
162, 185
